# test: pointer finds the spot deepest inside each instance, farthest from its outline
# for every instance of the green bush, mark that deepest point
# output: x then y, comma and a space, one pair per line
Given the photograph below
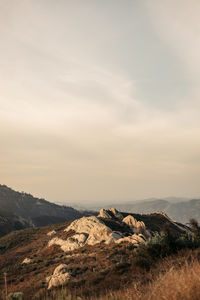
16, 296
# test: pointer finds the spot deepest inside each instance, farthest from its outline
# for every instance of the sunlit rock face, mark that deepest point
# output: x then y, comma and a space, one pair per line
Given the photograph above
138, 227
110, 213
134, 239
50, 233
88, 230
59, 277
93, 230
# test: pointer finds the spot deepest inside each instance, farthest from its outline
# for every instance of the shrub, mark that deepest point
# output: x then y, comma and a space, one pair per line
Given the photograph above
16, 296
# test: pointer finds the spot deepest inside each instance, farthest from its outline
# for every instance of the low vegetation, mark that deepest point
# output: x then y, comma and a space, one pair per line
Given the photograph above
167, 266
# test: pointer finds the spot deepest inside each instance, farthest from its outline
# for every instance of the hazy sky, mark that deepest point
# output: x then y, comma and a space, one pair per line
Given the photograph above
100, 99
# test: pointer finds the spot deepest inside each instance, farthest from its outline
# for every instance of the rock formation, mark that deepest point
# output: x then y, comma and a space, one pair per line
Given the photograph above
59, 277
110, 213
93, 230
137, 227
88, 230
134, 239
27, 261
50, 233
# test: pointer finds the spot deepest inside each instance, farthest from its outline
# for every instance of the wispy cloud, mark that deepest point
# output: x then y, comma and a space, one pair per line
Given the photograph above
100, 103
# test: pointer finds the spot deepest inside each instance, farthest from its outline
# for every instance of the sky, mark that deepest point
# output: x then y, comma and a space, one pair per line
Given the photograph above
100, 100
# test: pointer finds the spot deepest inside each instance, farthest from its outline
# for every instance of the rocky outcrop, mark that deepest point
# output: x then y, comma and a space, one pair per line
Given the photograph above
137, 227
88, 230
110, 213
112, 226
116, 213
70, 244
59, 277
104, 214
92, 230
50, 233
134, 239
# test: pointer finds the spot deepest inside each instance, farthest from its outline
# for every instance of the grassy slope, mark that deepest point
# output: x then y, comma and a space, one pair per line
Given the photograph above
96, 270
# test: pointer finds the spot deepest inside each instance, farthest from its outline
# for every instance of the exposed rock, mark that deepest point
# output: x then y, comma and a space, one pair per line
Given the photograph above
135, 239
89, 230
104, 214
50, 233
136, 226
59, 277
116, 213
162, 213
27, 261
92, 230
88, 225
110, 213
66, 245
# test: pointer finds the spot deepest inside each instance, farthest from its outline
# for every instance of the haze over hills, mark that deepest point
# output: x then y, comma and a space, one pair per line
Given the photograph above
181, 210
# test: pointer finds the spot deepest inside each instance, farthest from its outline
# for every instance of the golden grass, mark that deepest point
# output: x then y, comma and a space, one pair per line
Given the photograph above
178, 283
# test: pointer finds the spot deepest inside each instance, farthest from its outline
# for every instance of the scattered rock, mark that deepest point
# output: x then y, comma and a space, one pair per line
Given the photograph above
134, 239
27, 261
50, 233
59, 277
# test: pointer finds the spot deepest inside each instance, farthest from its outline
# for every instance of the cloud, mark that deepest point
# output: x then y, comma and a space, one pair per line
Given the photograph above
97, 103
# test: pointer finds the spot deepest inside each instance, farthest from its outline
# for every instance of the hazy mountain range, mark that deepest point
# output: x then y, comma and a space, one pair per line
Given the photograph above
179, 209
19, 210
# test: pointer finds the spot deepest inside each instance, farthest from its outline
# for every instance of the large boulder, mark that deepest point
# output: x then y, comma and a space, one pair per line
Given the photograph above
59, 277
137, 227
88, 230
27, 260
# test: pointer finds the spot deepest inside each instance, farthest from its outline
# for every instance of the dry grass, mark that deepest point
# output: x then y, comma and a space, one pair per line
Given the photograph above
114, 272
177, 284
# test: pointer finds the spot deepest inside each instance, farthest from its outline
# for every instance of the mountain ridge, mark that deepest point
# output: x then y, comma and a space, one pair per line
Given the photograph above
19, 210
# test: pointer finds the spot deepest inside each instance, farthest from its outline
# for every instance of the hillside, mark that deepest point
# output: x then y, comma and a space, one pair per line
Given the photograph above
10, 222
19, 210
88, 256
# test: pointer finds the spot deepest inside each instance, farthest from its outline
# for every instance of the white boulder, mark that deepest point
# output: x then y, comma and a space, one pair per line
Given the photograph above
27, 260
134, 239
50, 233
59, 277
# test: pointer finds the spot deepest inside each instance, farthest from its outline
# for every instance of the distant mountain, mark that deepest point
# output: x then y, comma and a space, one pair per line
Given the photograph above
181, 211
20, 210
